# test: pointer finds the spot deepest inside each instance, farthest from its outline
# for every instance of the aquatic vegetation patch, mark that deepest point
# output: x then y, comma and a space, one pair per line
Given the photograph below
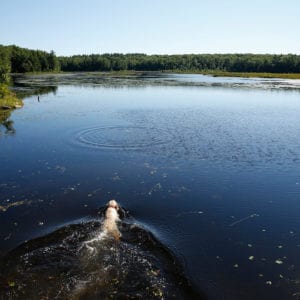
4, 208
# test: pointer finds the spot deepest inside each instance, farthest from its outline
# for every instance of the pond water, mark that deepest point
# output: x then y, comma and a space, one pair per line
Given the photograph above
207, 170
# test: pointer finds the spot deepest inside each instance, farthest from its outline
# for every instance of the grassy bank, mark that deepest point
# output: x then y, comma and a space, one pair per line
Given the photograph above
8, 99
218, 73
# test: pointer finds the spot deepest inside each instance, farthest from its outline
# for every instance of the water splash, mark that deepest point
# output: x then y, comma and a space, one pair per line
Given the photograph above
80, 261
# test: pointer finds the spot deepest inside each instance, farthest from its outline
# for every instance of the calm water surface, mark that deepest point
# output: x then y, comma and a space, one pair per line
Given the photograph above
209, 166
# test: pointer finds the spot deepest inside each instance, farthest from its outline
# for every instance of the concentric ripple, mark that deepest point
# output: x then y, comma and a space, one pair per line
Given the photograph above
122, 137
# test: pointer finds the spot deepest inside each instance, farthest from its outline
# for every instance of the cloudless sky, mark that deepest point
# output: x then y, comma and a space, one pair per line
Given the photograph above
152, 26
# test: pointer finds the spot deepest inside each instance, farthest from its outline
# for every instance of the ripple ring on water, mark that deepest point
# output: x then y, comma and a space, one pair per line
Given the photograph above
122, 137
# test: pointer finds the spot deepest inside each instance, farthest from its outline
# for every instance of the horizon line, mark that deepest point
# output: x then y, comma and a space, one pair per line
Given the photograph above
162, 54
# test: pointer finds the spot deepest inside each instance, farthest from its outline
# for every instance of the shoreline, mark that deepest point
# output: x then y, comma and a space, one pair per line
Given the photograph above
240, 74
215, 73
8, 99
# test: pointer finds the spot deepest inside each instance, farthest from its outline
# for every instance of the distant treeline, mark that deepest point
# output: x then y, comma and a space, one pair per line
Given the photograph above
189, 62
14, 59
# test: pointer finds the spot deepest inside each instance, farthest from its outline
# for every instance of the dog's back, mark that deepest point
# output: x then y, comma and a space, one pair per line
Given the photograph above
111, 218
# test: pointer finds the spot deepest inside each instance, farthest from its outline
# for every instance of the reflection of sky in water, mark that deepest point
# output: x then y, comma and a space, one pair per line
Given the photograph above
215, 176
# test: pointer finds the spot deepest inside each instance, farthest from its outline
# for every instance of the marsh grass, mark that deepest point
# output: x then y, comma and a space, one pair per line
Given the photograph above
218, 73
215, 73
254, 74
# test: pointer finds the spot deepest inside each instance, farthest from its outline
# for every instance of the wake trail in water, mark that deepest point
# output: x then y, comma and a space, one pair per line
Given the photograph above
81, 261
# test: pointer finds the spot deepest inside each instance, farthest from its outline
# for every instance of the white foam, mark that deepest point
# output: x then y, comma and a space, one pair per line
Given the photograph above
91, 244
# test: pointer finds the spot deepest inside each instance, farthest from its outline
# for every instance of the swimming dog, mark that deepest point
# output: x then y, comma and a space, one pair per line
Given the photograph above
110, 226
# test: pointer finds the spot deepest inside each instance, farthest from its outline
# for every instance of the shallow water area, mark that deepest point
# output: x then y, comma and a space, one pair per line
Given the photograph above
209, 166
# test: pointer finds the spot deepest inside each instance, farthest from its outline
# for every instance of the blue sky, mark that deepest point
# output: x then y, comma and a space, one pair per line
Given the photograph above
152, 26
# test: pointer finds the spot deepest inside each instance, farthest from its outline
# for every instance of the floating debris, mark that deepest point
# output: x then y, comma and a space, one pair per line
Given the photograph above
236, 266
4, 208
182, 188
70, 189
92, 193
279, 246
155, 188
40, 223
251, 257
250, 245
269, 282
244, 219
195, 212
60, 169
279, 261
155, 272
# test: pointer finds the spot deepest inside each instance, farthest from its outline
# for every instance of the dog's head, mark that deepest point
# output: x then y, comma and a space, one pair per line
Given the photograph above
114, 204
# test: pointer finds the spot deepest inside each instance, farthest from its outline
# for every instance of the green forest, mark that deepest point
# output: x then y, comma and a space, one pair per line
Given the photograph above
14, 59
189, 62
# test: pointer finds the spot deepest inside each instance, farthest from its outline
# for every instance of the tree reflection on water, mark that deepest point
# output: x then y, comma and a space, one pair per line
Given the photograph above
6, 124
22, 91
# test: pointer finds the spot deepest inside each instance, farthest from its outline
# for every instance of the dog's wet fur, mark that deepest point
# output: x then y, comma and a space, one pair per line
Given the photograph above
111, 219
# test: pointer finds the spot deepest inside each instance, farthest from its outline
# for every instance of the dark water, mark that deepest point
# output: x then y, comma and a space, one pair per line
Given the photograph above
207, 168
